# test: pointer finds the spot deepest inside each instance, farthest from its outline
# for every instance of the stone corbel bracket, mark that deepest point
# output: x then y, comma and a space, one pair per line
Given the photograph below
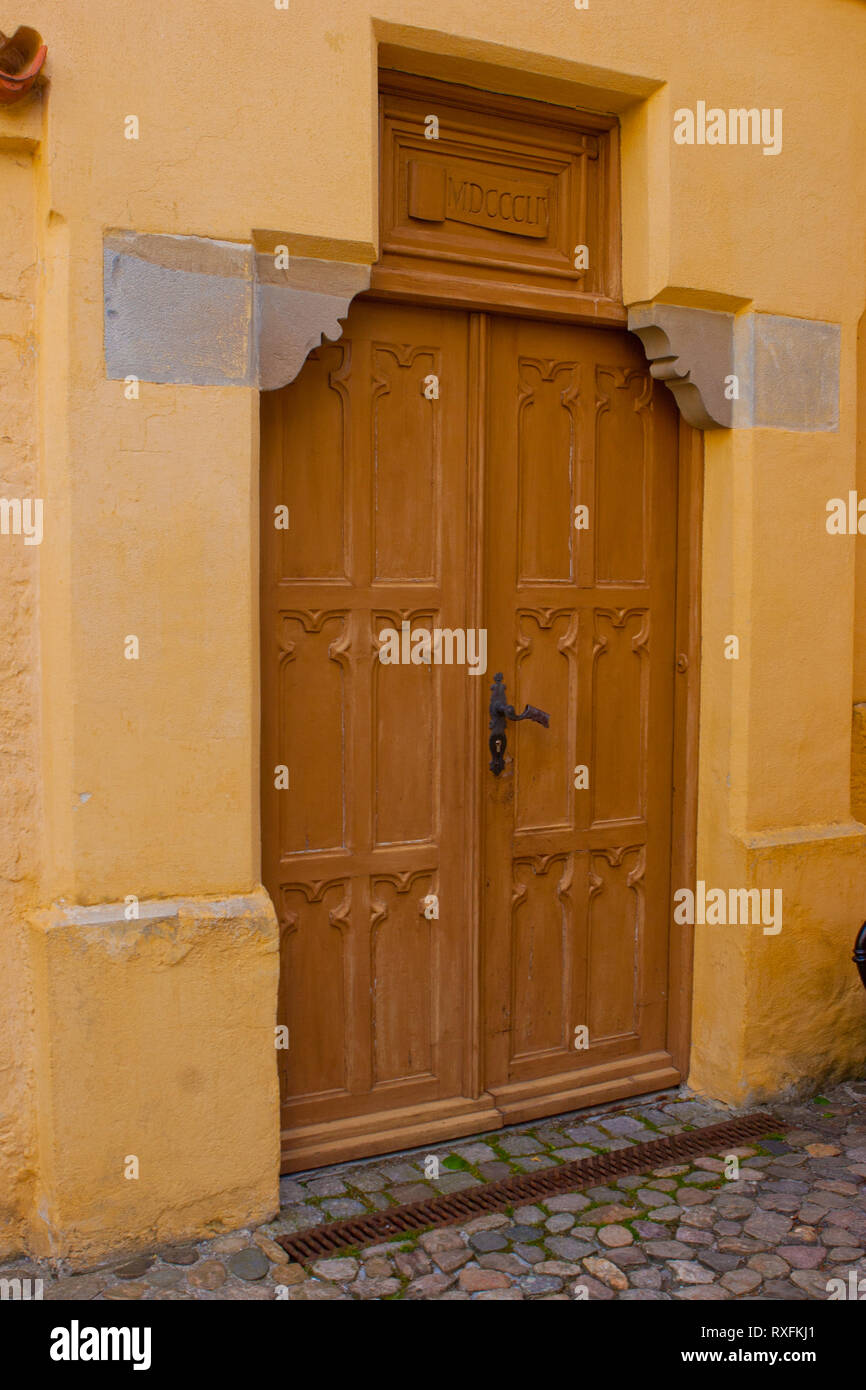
692, 352
743, 371
196, 312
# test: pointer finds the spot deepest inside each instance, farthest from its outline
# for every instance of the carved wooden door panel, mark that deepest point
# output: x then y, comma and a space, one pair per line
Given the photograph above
448, 935
364, 850
580, 607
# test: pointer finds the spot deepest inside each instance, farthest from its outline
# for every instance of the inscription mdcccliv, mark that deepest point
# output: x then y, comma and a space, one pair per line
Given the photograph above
439, 194
504, 204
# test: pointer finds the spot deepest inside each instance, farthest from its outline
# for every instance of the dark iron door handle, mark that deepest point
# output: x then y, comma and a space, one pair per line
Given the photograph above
499, 713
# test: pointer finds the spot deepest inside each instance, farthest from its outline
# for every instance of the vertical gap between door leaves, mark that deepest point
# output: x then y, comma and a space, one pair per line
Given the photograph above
475, 460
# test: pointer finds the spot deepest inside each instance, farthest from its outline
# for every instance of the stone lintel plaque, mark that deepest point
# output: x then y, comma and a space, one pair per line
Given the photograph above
461, 192
502, 197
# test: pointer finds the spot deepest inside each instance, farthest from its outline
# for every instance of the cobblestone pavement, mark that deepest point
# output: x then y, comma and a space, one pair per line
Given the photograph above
793, 1220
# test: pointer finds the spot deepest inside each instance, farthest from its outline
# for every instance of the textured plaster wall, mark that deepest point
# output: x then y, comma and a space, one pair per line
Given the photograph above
19, 688
860, 615
153, 1028
782, 1011
254, 121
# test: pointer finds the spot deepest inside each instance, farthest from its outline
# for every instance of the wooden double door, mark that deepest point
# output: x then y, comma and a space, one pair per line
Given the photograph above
461, 950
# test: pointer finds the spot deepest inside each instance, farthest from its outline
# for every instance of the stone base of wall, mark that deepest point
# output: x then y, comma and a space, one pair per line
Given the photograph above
782, 1014
157, 1091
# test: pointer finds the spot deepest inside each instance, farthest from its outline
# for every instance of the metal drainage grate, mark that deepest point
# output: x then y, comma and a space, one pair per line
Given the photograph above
524, 1188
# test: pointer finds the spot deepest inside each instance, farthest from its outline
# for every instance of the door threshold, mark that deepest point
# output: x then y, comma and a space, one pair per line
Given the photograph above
320, 1146
366, 1136
627, 1079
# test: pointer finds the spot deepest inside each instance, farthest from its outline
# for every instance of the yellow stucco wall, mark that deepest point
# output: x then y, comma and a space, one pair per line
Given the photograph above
253, 118
19, 709
860, 568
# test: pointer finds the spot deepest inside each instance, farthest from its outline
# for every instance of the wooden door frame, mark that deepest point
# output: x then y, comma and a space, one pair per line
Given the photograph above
444, 289
687, 696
